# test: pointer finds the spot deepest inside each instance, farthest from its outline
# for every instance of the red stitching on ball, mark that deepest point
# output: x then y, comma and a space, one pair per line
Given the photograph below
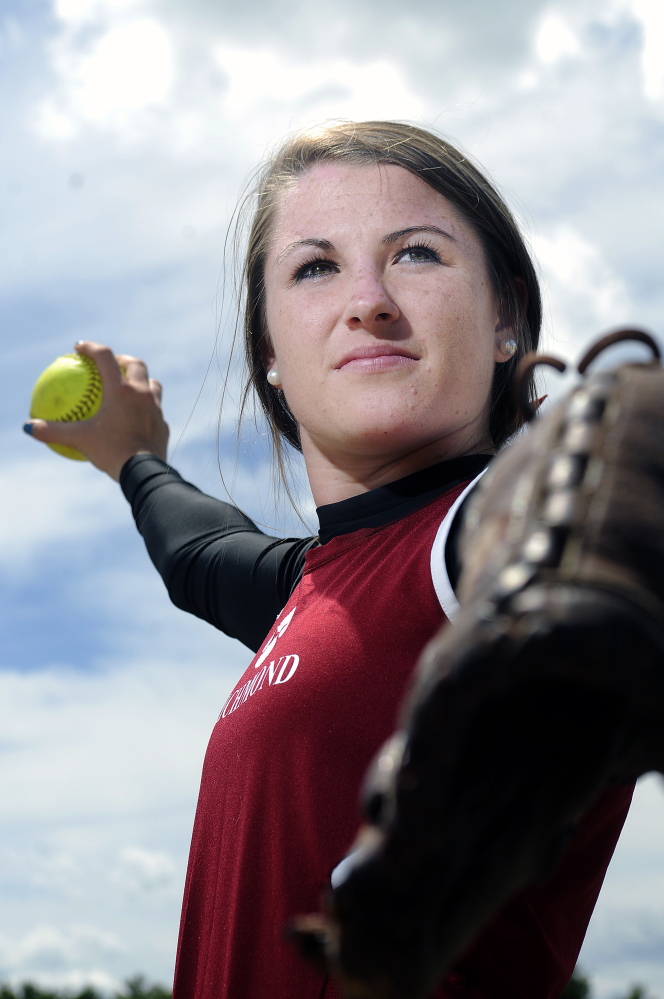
82, 410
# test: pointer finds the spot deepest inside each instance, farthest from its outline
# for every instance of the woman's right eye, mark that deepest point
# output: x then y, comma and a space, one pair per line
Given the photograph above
315, 269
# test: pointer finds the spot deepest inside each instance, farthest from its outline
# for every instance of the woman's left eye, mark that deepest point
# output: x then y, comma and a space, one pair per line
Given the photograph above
418, 254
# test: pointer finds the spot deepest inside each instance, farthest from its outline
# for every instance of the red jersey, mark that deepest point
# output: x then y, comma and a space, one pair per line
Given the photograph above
278, 805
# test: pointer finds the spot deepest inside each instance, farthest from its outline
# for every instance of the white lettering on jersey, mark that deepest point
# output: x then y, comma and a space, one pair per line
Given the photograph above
294, 662
278, 632
276, 672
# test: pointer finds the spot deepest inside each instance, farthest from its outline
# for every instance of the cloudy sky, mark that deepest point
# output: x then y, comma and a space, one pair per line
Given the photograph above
128, 129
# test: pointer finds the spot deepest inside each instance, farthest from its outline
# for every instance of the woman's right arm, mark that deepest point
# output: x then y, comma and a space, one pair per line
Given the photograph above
214, 561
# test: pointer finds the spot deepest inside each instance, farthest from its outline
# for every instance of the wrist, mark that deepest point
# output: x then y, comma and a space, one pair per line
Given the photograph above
115, 470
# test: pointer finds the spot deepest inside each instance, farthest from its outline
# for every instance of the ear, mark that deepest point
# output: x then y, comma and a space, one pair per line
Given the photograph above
268, 356
270, 367
504, 331
266, 351
504, 343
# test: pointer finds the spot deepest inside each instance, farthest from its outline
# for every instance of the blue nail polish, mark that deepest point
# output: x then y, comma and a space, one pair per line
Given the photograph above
27, 428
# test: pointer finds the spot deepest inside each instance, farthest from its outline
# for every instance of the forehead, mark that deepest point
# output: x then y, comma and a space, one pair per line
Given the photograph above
335, 197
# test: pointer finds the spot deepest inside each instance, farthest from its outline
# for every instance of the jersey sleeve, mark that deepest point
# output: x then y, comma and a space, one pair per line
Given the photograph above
214, 561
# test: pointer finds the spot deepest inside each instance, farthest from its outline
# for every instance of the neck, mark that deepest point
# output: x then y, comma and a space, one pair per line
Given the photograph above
334, 477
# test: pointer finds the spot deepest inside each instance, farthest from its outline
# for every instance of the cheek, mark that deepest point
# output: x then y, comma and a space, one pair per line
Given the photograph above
297, 337
463, 324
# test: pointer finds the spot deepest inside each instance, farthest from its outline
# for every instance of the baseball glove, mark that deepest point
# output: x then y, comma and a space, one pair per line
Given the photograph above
548, 688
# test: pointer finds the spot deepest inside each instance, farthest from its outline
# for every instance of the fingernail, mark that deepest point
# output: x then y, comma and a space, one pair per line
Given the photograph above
27, 429
79, 342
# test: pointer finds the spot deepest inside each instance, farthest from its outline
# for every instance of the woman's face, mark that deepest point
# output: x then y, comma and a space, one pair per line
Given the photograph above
382, 317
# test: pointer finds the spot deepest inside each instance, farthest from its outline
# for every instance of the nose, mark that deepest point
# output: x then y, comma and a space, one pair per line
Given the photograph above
369, 304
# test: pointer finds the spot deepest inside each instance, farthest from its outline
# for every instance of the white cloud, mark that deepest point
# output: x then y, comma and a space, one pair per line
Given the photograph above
126, 70
142, 870
47, 947
561, 32
77, 12
143, 728
41, 504
98, 783
62, 957
128, 74
625, 940
555, 39
585, 293
267, 80
651, 15
131, 67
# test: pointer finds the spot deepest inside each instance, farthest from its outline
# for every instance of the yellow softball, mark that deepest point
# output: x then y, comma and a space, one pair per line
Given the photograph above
69, 389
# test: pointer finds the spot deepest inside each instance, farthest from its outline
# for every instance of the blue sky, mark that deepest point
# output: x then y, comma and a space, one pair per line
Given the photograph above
129, 127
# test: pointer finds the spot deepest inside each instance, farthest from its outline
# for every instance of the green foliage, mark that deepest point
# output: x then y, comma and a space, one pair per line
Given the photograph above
134, 988
578, 987
29, 991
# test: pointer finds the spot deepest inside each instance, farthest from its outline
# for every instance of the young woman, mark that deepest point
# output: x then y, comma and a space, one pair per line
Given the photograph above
388, 296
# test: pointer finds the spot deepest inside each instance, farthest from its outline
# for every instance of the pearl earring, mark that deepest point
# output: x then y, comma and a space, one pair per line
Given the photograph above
508, 347
273, 378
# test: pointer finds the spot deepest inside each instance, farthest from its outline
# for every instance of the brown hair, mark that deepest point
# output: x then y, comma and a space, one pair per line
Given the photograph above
447, 170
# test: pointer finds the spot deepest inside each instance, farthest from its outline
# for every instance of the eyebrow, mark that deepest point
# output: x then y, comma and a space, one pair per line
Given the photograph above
322, 244
394, 237
391, 237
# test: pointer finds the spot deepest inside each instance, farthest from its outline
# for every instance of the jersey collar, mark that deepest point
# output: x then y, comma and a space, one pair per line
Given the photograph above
397, 499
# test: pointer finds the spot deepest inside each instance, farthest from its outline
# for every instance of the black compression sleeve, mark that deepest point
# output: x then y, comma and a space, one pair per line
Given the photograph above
214, 561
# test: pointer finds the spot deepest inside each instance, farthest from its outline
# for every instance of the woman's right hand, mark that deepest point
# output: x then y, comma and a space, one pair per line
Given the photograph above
129, 420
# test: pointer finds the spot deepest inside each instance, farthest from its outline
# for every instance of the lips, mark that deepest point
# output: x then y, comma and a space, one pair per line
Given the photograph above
378, 357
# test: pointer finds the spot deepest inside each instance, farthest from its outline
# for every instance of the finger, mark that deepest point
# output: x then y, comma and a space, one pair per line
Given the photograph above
104, 358
134, 370
54, 432
157, 390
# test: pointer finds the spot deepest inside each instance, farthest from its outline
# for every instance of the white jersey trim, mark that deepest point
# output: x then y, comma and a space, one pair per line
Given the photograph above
441, 580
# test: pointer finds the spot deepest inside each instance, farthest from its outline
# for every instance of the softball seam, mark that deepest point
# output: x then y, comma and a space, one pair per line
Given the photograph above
81, 411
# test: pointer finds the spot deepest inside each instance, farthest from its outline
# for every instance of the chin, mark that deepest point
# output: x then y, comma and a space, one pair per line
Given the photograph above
388, 438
